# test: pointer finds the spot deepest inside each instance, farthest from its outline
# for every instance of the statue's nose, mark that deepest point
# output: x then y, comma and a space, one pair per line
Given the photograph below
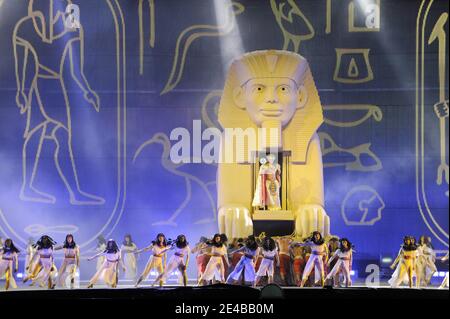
271, 96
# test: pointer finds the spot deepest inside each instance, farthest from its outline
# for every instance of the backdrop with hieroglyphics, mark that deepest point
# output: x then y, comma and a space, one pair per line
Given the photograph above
86, 116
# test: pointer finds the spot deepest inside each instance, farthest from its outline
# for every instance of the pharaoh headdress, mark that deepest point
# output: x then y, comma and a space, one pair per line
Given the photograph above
298, 132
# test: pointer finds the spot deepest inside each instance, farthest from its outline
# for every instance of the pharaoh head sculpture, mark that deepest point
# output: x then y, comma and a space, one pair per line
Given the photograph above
273, 87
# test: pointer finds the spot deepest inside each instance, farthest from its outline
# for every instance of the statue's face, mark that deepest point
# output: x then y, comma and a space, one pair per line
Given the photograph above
268, 99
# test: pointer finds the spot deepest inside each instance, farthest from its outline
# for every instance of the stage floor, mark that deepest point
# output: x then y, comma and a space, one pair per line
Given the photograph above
223, 292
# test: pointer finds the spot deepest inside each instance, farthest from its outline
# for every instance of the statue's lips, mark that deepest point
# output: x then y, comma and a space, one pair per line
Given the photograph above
271, 112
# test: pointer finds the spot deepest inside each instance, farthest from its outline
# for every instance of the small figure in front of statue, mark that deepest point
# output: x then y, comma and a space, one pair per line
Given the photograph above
267, 192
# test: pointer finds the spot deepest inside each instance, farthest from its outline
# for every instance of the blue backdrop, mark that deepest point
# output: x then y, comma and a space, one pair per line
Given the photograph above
157, 65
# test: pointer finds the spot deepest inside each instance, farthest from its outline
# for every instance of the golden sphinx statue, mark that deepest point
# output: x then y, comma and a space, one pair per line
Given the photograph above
270, 96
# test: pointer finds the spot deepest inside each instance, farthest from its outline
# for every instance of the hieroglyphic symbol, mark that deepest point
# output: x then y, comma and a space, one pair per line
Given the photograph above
151, 5
371, 111
72, 18
285, 11
189, 179
119, 204
441, 107
211, 104
353, 74
328, 17
355, 154
425, 209
362, 206
190, 34
372, 13
46, 124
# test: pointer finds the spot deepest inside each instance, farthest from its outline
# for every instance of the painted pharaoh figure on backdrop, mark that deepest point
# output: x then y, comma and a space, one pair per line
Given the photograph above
271, 92
43, 47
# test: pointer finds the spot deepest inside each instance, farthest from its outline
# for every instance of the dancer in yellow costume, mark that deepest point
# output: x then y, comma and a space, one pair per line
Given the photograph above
43, 49
407, 259
157, 260
273, 93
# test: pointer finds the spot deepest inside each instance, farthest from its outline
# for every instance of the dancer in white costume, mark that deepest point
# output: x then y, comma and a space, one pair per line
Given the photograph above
344, 263
215, 269
9, 263
445, 281
29, 253
101, 246
157, 260
319, 252
44, 269
246, 265
109, 271
71, 262
129, 253
177, 261
426, 266
406, 260
270, 258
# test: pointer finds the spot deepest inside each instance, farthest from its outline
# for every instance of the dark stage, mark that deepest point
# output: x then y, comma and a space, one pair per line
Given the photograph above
229, 292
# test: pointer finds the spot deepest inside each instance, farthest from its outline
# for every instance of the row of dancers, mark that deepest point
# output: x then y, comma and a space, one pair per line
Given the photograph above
415, 263
308, 262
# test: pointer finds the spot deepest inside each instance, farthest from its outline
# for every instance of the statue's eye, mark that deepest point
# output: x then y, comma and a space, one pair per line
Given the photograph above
258, 88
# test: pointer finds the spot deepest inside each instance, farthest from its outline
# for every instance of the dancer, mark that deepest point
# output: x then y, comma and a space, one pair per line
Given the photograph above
406, 261
246, 266
235, 253
316, 261
344, 256
284, 245
157, 260
226, 259
129, 252
299, 261
109, 271
215, 269
9, 263
70, 263
101, 246
44, 270
29, 253
202, 251
177, 261
333, 246
426, 263
445, 281
270, 257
